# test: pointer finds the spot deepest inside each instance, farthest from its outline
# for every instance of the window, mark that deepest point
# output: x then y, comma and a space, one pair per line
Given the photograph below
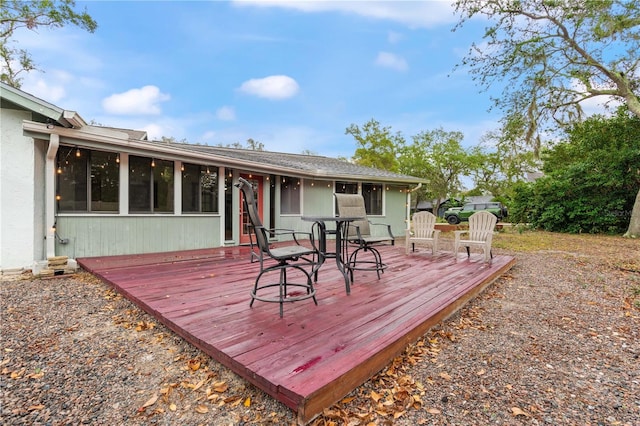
199, 189
372, 193
346, 188
150, 185
290, 196
87, 181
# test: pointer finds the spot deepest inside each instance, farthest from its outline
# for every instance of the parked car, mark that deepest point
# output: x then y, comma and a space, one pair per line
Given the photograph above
456, 215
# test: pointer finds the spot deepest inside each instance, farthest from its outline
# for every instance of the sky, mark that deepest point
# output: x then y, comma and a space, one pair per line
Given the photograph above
292, 75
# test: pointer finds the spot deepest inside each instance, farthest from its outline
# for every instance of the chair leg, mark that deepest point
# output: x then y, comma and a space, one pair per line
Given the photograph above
468, 252
283, 284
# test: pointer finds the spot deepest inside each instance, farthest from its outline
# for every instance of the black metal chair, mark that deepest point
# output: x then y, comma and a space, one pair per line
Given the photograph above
359, 234
286, 257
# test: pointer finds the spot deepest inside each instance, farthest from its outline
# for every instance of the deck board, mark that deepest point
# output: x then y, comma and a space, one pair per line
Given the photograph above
315, 355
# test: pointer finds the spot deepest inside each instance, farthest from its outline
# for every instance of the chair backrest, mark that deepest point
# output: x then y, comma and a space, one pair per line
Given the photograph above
481, 225
352, 205
251, 207
423, 224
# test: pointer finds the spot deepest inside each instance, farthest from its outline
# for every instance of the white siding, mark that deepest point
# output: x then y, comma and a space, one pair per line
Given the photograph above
17, 195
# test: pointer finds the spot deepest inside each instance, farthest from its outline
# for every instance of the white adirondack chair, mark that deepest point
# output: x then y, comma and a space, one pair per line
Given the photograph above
480, 234
422, 231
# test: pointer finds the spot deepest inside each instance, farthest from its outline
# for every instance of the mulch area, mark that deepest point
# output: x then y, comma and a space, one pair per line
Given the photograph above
555, 341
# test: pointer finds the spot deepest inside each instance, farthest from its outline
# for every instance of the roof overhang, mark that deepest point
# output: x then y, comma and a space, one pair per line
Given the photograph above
42, 108
109, 139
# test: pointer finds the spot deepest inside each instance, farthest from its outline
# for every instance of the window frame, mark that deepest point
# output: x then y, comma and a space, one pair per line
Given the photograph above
199, 196
87, 167
155, 170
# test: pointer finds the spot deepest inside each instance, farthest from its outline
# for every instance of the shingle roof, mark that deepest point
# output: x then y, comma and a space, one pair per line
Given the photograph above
304, 165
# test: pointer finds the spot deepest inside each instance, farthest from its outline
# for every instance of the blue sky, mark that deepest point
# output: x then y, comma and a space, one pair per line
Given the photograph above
292, 75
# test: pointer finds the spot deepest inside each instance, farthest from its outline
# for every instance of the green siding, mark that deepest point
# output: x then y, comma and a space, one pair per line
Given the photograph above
105, 236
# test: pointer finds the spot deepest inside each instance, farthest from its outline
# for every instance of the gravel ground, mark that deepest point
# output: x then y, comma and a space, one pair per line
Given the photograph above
556, 341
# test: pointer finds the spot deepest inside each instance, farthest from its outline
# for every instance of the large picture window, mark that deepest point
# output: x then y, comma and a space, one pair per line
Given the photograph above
87, 181
372, 193
199, 189
290, 196
150, 185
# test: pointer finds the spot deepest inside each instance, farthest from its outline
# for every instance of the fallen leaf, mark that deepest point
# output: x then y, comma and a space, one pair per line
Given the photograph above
36, 407
199, 384
151, 401
445, 376
220, 387
247, 402
433, 411
481, 372
202, 409
519, 412
398, 414
173, 407
193, 364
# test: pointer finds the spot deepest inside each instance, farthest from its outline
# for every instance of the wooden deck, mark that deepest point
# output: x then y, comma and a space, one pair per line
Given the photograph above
315, 355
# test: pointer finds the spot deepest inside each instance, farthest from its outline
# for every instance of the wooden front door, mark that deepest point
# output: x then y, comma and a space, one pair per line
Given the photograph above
245, 223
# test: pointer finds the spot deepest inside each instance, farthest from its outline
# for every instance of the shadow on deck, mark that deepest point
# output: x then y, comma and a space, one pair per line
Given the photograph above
315, 355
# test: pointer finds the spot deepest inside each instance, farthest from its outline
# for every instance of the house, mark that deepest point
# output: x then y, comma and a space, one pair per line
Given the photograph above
72, 189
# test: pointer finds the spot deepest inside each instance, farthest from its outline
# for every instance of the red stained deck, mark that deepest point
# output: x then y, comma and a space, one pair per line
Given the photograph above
315, 355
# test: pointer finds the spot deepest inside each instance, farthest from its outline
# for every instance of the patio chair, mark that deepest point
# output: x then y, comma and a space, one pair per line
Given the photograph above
359, 234
287, 257
422, 231
480, 234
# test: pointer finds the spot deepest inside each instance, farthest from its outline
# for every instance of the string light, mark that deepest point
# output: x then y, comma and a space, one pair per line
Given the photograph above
118, 158
153, 162
59, 170
182, 167
77, 152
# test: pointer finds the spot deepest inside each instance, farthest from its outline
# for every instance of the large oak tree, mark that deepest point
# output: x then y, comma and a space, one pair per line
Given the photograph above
553, 55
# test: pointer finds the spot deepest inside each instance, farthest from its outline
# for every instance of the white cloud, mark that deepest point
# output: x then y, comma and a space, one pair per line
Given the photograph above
154, 131
226, 113
415, 14
390, 60
605, 105
39, 88
272, 87
144, 101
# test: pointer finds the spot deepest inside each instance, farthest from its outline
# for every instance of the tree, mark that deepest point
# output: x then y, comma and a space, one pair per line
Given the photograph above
377, 146
438, 156
500, 161
16, 14
588, 179
250, 144
555, 54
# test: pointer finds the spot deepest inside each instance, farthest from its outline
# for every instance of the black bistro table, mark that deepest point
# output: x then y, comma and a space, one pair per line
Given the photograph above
340, 252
